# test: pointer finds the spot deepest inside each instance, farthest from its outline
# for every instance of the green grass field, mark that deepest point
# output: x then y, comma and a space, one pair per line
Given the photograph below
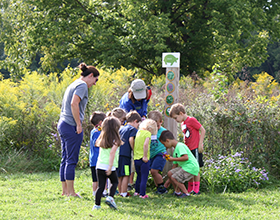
38, 196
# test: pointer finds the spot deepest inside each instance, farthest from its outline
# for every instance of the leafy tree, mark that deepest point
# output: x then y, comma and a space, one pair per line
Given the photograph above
135, 33
271, 65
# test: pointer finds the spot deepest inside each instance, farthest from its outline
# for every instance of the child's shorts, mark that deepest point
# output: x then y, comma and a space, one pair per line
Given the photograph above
124, 166
198, 156
93, 174
158, 162
181, 175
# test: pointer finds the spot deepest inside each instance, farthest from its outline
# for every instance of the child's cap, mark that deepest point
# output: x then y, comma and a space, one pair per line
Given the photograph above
138, 88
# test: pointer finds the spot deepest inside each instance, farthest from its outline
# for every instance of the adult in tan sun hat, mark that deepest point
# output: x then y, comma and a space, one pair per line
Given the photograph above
136, 98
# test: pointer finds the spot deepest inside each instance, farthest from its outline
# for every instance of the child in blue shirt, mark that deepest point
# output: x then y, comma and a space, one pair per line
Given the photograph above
96, 119
127, 133
156, 153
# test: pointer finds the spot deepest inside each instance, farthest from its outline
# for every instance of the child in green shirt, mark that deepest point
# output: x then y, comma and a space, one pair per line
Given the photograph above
185, 166
146, 134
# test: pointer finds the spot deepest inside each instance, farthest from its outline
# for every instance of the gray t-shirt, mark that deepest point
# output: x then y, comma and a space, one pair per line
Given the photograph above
78, 87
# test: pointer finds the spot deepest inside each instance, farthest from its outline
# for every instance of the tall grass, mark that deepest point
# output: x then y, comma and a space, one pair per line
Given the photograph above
238, 116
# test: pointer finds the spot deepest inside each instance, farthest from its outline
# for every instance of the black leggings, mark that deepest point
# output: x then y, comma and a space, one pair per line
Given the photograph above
102, 177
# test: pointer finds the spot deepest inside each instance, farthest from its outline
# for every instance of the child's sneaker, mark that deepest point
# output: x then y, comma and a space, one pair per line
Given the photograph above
127, 195
194, 193
96, 207
136, 194
129, 187
105, 195
161, 190
111, 202
144, 197
176, 194
184, 195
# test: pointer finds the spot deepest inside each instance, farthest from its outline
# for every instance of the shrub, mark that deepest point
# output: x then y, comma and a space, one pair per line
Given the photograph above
243, 116
242, 119
233, 173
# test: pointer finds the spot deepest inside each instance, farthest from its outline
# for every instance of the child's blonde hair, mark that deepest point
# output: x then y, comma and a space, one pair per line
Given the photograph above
149, 125
155, 115
176, 109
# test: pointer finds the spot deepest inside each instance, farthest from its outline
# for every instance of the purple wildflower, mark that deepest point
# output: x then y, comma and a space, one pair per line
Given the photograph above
256, 182
237, 154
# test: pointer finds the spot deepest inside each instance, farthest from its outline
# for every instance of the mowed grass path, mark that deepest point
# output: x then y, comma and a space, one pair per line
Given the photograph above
38, 196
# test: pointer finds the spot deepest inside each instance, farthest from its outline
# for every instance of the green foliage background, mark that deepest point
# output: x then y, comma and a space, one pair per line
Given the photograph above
132, 34
237, 117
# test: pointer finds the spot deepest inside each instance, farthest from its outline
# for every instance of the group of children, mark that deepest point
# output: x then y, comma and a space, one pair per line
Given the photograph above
117, 151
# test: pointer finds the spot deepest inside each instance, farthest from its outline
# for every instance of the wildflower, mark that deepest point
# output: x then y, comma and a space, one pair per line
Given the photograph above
237, 170
236, 154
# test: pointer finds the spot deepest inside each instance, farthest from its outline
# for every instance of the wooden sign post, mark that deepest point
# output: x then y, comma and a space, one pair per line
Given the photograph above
172, 63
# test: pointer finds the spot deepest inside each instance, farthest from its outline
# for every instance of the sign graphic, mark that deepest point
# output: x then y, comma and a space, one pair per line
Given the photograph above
169, 99
167, 110
170, 59
170, 87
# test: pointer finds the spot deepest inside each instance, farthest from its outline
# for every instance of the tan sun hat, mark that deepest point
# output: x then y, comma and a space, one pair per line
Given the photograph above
138, 88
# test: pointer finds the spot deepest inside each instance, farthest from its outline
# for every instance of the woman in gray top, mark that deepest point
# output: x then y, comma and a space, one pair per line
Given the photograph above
70, 125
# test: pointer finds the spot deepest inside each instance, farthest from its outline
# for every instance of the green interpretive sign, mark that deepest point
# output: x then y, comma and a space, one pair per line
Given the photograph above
169, 99
170, 87
167, 110
170, 75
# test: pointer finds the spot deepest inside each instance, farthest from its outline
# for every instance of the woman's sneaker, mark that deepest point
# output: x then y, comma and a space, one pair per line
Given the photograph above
111, 202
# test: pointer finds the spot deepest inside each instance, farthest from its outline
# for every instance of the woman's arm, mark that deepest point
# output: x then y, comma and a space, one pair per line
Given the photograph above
76, 113
111, 159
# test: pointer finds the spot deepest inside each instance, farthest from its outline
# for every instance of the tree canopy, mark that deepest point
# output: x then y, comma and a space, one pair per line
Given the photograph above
230, 33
